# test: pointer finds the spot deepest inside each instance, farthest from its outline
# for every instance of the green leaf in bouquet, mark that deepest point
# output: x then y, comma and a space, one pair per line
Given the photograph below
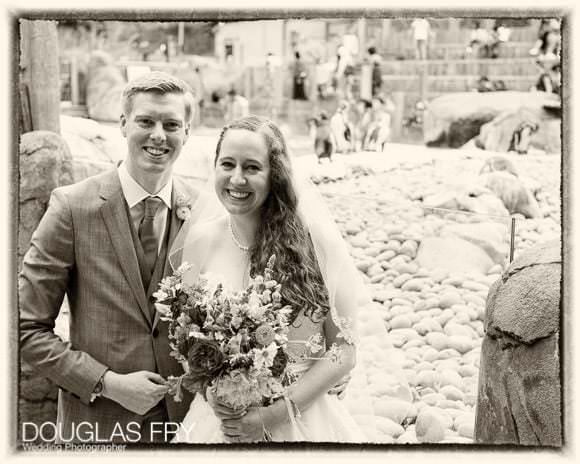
196, 384
174, 384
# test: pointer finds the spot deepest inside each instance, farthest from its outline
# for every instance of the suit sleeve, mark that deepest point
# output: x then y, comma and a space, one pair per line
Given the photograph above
43, 281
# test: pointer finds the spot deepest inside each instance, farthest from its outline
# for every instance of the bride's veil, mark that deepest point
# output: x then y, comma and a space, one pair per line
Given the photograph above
346, 290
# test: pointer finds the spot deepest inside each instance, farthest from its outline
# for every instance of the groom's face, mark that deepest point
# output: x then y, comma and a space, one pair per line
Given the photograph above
156, 129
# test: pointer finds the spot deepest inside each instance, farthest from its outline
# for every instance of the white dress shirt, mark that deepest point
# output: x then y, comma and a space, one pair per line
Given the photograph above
135, 194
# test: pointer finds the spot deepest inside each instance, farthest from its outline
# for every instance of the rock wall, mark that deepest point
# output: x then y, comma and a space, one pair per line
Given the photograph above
105, 85
519, 392
45, 163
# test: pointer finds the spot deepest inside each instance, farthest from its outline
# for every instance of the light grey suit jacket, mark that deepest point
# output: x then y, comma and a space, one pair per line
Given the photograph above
83, 247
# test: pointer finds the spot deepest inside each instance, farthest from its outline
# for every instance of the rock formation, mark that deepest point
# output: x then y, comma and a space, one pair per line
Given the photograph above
105, 85
452, 120
519, 393
45, 163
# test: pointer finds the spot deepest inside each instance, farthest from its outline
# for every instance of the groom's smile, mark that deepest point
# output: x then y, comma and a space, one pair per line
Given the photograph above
156, 129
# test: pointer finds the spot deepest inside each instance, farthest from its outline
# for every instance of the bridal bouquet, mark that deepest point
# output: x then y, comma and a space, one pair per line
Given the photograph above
234, 343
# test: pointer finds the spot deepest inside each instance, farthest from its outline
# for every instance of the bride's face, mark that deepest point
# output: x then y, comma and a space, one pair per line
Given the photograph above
242, 179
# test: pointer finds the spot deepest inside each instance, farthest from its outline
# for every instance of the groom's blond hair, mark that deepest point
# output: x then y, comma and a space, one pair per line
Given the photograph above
159, 83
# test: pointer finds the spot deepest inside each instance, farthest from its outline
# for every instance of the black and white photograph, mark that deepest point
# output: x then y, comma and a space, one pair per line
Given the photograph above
306, 232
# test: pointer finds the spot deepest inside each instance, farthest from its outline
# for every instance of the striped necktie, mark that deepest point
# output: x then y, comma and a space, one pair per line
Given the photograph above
147, 235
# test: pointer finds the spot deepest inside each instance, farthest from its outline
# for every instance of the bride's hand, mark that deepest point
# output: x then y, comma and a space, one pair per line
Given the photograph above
246, 429
221, 410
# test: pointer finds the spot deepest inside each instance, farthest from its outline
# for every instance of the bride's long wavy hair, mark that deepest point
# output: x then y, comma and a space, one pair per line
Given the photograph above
280, 231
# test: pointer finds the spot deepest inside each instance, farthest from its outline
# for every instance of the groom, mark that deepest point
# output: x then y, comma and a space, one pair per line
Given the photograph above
104, 243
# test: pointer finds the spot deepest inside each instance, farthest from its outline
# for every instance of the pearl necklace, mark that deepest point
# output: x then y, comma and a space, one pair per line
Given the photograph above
244, 248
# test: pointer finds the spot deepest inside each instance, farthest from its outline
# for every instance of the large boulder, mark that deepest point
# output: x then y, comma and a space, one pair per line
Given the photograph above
519, 393
513, 193
453, 254
94, 147
452, 120
45, 163
466, 197
491, 237
497, 135
105, 85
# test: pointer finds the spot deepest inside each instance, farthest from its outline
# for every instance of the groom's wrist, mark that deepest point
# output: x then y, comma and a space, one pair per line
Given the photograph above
108, 384
98, 390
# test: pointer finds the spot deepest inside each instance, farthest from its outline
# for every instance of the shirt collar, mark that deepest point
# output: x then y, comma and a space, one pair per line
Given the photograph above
134, 193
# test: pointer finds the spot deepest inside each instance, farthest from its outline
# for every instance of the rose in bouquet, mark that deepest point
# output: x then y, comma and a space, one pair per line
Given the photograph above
232, 342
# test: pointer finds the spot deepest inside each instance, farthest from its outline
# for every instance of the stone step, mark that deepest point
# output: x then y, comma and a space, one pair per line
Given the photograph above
518, 66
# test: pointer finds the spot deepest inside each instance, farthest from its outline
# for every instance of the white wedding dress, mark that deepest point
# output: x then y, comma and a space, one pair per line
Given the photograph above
326, 420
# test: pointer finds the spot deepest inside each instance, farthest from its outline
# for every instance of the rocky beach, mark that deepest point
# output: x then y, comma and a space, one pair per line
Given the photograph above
421, 335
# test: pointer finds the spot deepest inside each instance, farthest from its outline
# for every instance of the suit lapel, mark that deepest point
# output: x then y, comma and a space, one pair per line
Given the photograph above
174, 224
114, 213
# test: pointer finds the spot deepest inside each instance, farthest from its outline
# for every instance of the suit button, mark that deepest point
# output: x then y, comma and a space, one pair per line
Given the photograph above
155, 332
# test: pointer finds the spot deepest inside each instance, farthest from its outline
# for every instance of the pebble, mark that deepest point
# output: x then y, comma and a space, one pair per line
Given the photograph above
495, 269
475, 286
401, 279
461, 343
467, 370
393, 245
375, 270
359, 241
451, 393
445, 316
430, 354
413, 285
449, 299
406, 334
427, 325
409, 248
386, 255
432, 399
397, 310
453, 328
387, 426
461, 318
430, 427
432, 302
406, 268
466, 429
398, 301
450, 377
427, 378
434, 312
474, 299
449, 361
394, 409
364, 265
437, 340
466, 417
455, 281
447, 353
425, 366
407, 438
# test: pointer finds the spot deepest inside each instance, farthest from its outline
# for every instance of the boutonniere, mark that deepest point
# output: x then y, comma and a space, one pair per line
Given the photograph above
183, 204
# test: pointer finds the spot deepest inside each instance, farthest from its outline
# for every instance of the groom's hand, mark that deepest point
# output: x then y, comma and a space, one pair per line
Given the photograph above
138, 391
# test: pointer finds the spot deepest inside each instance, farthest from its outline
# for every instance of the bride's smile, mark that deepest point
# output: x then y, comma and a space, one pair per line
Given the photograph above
242, 179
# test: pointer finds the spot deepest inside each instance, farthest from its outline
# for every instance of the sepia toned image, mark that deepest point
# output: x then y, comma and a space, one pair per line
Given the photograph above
281, 231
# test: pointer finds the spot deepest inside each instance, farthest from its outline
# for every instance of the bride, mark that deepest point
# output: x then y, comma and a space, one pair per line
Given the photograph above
263, 212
